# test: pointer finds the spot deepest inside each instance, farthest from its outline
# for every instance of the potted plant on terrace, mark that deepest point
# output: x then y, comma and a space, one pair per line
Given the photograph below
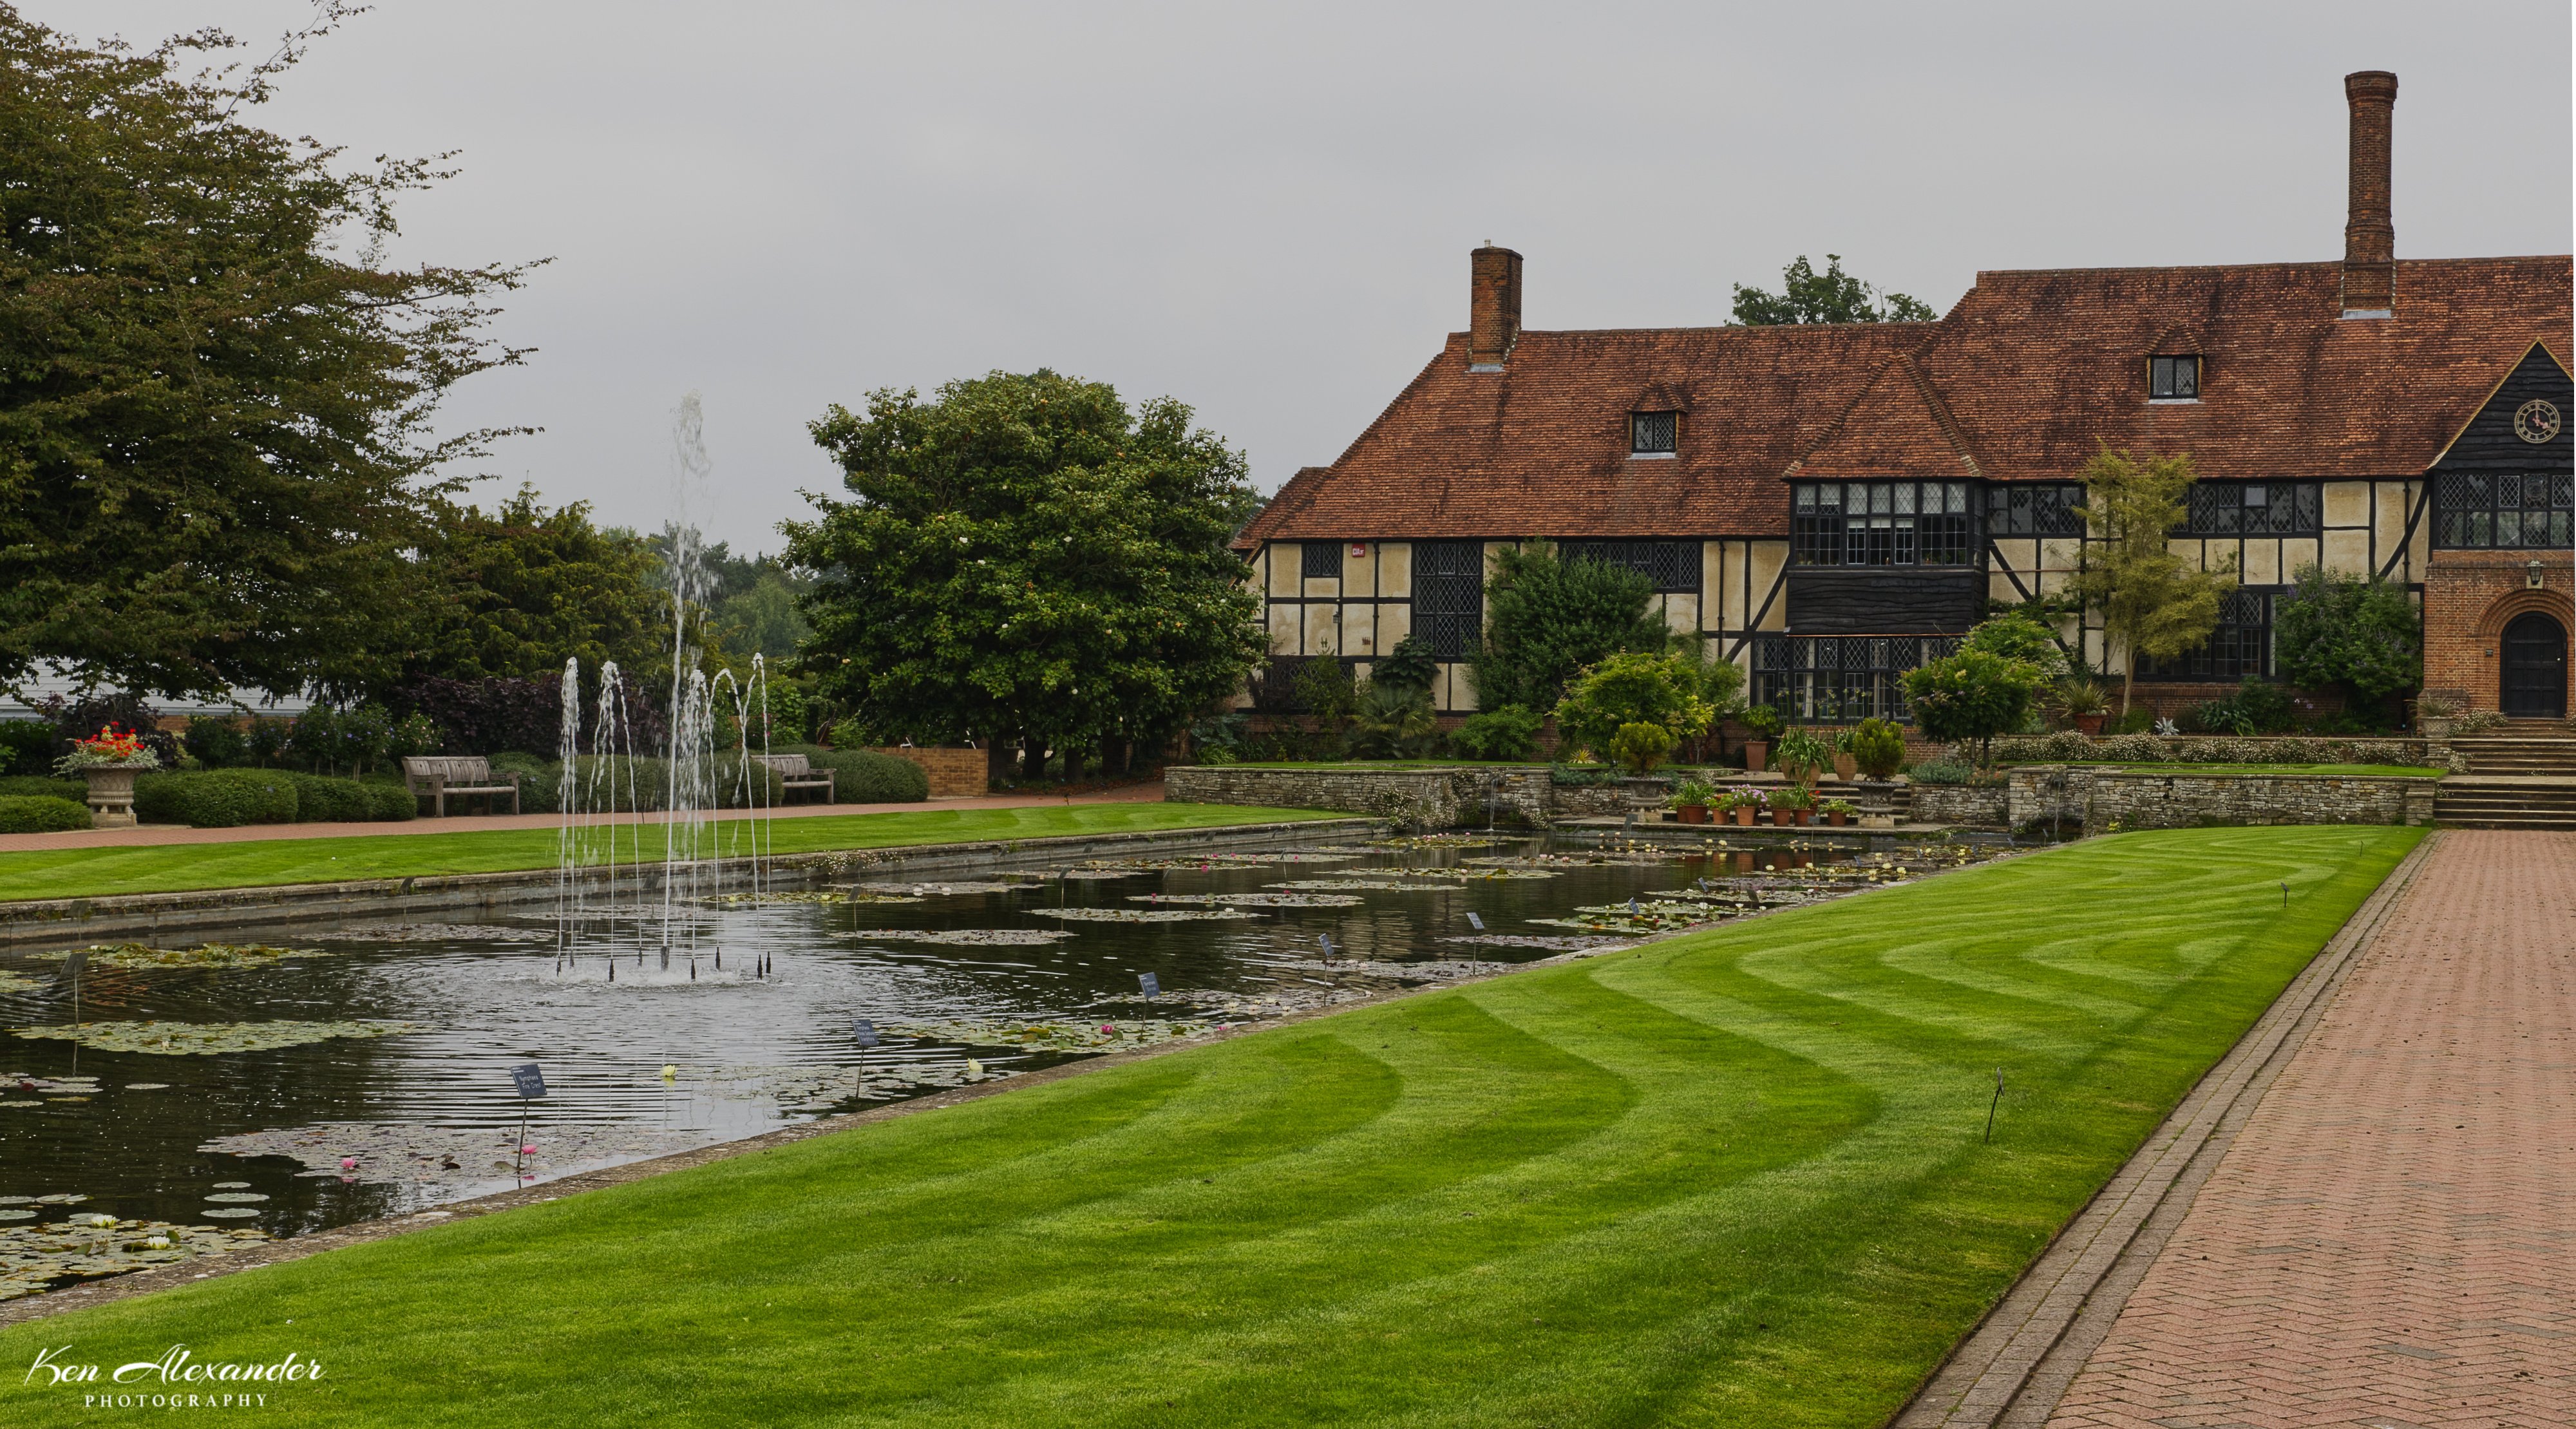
1743, 804
1802, 754
108, 765
1790, 804
2435, 716
1837, 812
1692, 799
1878, 749
2081, 702
1764, 724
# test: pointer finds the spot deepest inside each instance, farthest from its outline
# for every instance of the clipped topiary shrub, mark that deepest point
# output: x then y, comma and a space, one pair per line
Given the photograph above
323, 800
28, 786
1941, 771
216, 798
41, 814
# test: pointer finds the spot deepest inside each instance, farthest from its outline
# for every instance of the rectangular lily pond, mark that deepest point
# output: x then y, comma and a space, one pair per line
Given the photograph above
186, 1097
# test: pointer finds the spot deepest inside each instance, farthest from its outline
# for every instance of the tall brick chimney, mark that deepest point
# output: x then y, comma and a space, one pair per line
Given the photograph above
1493, 306
2369, 240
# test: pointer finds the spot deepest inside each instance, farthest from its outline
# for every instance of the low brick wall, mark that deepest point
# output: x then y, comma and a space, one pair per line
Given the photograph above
2103, 799
954, 773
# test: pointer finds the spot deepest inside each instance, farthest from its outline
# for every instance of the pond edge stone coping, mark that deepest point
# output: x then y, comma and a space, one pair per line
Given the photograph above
2014, 1367
278, 1252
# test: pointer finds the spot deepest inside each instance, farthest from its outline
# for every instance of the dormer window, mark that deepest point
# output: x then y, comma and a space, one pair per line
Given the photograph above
1654, 433
2173, 379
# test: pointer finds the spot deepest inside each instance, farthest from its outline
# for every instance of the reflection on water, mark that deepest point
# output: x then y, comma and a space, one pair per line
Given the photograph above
966, 980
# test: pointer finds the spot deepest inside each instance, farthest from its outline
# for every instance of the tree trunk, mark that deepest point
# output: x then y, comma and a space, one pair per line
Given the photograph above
1073, 764
2128, 680
997, 761
1033, 757
1117, 756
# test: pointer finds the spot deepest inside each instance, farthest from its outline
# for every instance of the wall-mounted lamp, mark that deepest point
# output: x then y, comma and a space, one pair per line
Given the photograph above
2531, 574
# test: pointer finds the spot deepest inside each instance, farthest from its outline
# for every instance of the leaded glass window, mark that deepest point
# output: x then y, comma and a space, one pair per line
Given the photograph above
1883, 523
2253, 508
2173, 378
1671, 565
1321, 561
1449, 596
1654, 433
2505, 510
2240, 645
2035, 508
1840, 679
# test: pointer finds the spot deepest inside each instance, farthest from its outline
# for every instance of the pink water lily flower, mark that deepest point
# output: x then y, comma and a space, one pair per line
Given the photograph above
348, 1163
1106, 1029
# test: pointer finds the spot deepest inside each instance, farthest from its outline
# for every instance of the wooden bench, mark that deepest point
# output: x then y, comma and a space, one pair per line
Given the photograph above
436, 776
796, 772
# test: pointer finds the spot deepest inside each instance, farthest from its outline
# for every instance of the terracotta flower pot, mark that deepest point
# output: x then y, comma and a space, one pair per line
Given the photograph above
1757, 753
1692, 813
1845, 766
2090, 725
1744, 816
1837, 817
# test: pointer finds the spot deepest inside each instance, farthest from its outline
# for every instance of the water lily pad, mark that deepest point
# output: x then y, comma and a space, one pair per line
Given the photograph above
1091, 874
441, 933
1140, 915
1365, 885
229, 1213
36, 1258
62, 1198
21, 1102
232, 1185
147, 1086
17, 1200
915, 892
1208, 861
445, 1160
17, 982
804, 895
1656, 917
965, 937
1428, 970
204, 955
16, 1215
181, 1039
1252, 900
236, 1197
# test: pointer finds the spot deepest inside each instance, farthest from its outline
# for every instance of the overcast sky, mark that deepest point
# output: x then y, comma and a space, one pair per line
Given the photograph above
1266, 211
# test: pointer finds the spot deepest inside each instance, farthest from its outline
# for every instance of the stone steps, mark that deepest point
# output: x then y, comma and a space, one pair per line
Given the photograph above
2515, 753
2504, 801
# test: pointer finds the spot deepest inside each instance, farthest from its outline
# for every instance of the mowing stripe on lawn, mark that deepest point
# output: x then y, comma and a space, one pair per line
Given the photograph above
173, 868
1736, 1177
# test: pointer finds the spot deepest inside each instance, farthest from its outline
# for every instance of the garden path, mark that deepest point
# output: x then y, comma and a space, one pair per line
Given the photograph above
2388, 1242
1150, 792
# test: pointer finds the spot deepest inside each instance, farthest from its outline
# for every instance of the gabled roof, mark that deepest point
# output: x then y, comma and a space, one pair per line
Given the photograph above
1541, 448
2040, 367
2022, 380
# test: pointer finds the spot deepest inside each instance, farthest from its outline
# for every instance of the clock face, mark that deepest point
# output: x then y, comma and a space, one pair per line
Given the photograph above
2535, 421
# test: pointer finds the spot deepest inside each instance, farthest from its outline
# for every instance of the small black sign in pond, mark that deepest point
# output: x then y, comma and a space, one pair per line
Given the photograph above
531, 1082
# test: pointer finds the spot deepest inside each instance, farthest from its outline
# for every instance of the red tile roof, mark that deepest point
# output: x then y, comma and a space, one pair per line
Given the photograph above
2020, 380
1541, 448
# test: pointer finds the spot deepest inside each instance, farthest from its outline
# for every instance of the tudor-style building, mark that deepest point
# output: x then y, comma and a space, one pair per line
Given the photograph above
1831, 505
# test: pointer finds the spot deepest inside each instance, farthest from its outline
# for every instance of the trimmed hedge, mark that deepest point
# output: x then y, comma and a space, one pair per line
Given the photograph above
231, 798
216, 798
540, 783
863, 776
40, 814
29, 786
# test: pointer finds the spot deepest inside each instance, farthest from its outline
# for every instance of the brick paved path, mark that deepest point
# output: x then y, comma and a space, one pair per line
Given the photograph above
2391, 1241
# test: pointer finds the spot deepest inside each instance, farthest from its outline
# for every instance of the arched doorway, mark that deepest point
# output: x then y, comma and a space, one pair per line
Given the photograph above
2535, 668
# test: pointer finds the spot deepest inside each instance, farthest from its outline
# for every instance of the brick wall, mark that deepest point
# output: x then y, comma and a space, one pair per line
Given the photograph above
2468, 598
954, 773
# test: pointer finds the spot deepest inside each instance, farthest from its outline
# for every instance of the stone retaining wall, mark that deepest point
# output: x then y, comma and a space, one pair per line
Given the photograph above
2104, 799
1416, 798
954, 773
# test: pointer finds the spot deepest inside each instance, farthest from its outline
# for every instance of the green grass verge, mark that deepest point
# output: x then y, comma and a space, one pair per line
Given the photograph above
1735, 1178
2336, 771
164, 868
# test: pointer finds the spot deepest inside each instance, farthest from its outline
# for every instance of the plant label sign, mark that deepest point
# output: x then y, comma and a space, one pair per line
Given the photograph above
1475, 922
1153, 985
71, 969
1327, 940
863, 1032
531, 1082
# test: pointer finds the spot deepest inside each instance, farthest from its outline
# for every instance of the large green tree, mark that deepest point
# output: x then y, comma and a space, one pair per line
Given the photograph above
2155, 603
511, 592
2359, 635
1832, 296
215, 394
1548, 619
1025, 557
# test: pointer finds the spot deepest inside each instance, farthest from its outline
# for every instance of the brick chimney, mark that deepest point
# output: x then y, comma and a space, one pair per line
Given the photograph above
1493, 306
2369, 240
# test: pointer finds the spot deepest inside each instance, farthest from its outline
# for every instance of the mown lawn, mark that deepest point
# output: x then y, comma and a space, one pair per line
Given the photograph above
2337, 771
1736, 1178
163, 868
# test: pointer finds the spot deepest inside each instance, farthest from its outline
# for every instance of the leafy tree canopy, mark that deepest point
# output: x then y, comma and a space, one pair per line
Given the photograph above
215, 394
1546, 619
2016, 635
1832, 296
2155, 603
2345, 632
1972, 695
1635, 687
511, 592
1025, 554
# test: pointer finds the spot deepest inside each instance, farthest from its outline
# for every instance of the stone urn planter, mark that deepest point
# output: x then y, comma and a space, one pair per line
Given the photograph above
2436, 726
111, 797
